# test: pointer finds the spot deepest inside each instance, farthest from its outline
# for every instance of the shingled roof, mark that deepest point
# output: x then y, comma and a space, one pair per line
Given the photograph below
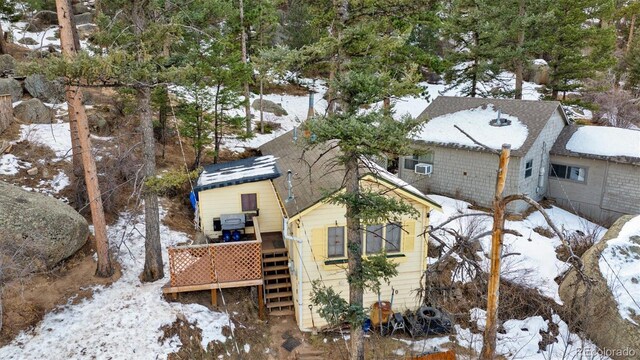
560, 148
533, 114
313, 179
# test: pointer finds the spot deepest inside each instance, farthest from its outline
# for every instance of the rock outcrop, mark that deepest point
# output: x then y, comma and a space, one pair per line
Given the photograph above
33, 111
594, 307
270, 107
38, 231
7, 64
46, 90
11, 87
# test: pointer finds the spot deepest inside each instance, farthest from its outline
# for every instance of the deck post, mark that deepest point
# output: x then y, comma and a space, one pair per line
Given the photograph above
214, 297
260, 303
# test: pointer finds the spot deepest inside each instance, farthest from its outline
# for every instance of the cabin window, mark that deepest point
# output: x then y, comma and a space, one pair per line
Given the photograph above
335, 239
528, 169
574, 173
374, 239
392, 238
410, 162
249, 202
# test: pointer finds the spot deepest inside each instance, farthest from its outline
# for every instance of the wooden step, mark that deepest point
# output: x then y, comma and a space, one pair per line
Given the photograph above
275, 259
277, 286
275, 251
275, 268
276, 295
279, 304
281, 312
277, 276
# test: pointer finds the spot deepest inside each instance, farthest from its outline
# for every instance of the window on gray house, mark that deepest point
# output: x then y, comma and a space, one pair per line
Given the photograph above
374, 239
574, 173
393, 236
528, 169
335, 237
410, 162
249, 202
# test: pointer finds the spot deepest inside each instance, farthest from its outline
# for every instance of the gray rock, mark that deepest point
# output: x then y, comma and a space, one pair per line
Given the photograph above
85, 31
38, 231
46, 90
80, 8
594, 305
270, 107
537, 73
28, 41
7, 64
12, 87
33, 171
33, 111
86, 18
98, 123
45, 18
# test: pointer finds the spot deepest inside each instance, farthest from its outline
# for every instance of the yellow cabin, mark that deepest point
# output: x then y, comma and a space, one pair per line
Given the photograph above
280, 201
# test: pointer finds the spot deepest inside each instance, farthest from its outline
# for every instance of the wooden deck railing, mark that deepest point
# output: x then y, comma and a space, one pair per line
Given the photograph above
217, 263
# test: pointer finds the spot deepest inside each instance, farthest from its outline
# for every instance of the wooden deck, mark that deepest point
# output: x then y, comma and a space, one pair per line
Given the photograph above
220, 265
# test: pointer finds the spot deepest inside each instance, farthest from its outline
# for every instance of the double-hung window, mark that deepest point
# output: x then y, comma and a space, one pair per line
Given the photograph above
411, 162
387, 237
335, 237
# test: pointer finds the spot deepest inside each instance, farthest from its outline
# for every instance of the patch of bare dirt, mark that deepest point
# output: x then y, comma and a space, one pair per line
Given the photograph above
27, 300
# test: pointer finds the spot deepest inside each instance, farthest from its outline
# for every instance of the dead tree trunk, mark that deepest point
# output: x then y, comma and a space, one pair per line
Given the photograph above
493, 294
74, 100
247, 97
6, 113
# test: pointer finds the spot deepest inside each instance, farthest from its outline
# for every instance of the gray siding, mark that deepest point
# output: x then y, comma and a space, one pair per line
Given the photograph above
610, 190
465, 174
539, 153
622, 189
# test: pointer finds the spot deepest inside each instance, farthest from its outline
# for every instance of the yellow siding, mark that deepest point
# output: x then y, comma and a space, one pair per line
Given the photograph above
311, 228
226, 200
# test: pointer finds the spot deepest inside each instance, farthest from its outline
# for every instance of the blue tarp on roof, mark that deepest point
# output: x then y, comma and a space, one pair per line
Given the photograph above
237, 172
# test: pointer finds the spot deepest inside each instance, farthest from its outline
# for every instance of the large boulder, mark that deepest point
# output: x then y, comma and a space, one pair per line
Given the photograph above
33, 111
38, 231
46, 90
42, 20
81, 19
11, 87
270, 107
7, 64
86, 31
80, 8
538, 72
592, 304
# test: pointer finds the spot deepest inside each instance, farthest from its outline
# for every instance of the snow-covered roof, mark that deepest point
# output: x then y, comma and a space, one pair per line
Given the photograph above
238, 172
606, 141
473, 116
476, 122
599, 142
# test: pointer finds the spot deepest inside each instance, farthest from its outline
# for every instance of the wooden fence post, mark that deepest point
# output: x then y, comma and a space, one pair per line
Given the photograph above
6, 112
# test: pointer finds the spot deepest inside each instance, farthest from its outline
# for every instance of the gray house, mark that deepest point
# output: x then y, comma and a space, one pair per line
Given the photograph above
596, 171
591, 170
462, 169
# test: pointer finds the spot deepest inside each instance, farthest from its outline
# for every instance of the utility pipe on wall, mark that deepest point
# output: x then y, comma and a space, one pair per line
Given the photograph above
286, 236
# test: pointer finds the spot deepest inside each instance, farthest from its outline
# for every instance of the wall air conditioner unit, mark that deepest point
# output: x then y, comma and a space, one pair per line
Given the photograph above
423, 169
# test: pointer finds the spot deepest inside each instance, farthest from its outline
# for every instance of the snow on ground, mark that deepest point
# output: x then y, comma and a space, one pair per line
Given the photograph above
55, 136
120, 321
10, 165
619, 263
606, 141
475, 122
521, 337
535, 264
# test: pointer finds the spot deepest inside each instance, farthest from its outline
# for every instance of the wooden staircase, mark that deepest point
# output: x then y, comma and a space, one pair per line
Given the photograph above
277, 281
